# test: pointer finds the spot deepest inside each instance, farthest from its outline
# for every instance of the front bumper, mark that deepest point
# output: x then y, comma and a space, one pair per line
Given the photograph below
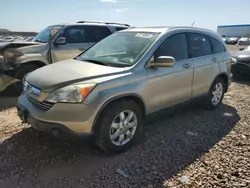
241, 69
72, 118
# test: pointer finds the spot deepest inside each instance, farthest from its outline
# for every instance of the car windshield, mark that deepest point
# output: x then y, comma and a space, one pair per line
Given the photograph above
44, 35
120, 49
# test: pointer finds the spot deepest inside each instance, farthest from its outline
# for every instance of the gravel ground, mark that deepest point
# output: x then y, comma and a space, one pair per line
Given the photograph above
184, 146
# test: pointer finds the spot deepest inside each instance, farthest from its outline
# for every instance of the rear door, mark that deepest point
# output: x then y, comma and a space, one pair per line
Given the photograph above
206, 66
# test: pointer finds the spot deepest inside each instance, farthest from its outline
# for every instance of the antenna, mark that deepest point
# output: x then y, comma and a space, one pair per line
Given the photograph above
192, 24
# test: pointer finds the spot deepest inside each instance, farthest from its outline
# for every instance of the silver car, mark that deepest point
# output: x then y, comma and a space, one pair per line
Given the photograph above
111, 87
52, 44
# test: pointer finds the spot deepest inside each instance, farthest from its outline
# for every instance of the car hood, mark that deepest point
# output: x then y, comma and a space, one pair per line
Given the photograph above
18, 44
66, 72
242, 56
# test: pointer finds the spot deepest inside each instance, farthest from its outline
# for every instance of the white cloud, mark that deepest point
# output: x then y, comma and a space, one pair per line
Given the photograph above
109, 1
120, 10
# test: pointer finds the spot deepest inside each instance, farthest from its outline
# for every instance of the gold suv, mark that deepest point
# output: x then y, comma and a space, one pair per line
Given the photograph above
110, 88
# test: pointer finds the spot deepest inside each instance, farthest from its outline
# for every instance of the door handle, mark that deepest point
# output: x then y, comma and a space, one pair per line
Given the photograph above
81, 49
187, 65
214, 60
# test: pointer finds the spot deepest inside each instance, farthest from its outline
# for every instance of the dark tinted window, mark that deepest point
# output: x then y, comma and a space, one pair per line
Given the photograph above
97, 33
75, 35
120, 28
175, 46
199, 45
217, 46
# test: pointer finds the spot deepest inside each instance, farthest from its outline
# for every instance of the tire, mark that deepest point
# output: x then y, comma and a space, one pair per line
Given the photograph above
209, 102
20, 73
103, 130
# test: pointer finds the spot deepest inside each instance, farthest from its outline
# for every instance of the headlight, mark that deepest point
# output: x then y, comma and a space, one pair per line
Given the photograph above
74, 93
234, 60
11, 55
25, 85
24, 78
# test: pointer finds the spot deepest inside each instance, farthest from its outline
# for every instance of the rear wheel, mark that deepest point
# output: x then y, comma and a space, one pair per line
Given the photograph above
119, 126
216, 94
20, 74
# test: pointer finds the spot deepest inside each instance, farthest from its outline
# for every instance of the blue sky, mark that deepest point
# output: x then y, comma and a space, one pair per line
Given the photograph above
34, 15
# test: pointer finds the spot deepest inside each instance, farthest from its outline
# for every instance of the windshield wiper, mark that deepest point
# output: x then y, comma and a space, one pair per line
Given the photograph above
96, 62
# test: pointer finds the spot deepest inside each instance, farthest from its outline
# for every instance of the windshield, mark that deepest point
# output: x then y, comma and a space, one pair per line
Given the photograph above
46, 34
120, 49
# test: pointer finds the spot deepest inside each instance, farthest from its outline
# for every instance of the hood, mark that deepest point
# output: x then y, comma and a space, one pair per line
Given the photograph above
66, 72
7, 45
35, 48
242, 56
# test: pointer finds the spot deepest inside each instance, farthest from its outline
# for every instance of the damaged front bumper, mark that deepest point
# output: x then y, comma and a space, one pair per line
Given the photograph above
6, 69
6, 81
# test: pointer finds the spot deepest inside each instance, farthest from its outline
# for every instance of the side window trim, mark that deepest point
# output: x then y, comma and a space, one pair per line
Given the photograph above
188, 44
211, 44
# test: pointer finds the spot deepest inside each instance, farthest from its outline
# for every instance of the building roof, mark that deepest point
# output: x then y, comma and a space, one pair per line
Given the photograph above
240, 25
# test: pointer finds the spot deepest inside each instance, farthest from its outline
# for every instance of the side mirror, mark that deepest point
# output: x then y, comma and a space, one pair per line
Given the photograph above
241, 49
60, 41
163, 61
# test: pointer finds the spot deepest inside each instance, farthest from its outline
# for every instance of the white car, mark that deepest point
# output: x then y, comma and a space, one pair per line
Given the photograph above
244, 41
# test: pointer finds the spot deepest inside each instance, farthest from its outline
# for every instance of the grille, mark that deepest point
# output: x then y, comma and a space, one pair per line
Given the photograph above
43, 105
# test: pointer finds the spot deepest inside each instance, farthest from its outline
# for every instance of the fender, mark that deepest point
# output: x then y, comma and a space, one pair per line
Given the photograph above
26, 58
118, 97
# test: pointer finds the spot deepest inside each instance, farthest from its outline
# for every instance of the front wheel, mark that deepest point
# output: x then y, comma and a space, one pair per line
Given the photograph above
119, 126
216, 94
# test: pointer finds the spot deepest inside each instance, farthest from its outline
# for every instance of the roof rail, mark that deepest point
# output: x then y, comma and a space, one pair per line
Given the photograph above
103, 23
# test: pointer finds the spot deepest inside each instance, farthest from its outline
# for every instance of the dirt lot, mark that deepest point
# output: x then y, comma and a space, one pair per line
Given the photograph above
181, 144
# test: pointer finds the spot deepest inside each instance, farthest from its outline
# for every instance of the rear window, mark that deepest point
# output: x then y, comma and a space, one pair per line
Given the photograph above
97, 33
217, 47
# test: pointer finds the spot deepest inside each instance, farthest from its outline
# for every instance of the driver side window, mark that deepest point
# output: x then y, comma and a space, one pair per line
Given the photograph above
175, 46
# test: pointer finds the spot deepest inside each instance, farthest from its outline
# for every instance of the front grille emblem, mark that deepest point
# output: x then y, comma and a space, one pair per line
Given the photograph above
30, 90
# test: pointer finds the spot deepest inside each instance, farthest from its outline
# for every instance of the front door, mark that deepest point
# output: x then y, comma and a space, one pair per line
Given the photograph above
78, 39
76, 43
170, 85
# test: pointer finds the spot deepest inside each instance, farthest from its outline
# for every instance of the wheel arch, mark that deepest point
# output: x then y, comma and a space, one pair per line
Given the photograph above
225, 78
133, 97
37, 63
